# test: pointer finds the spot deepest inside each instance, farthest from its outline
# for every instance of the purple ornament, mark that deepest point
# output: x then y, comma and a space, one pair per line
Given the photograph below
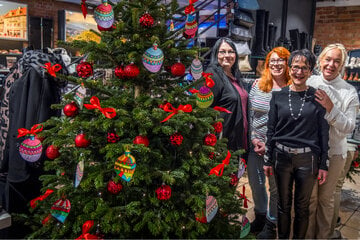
31, 149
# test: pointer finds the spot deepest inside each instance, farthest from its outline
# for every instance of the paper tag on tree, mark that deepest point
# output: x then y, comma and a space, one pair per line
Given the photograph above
80, 95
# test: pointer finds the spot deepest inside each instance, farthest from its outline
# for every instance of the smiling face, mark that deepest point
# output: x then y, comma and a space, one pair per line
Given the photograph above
299, 72
331, 64
226, 56
277, 66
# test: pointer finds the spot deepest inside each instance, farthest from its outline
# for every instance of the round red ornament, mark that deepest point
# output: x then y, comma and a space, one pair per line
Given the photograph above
200, 217
176, 139
52, 152
163, 192
113, 187
71, 109
146, 20
131, 71
81, 140
112, 137
355, 164
211, 155
218, 127
84, 70
234, 179
210, 139
141, 140
119, 72
178, 69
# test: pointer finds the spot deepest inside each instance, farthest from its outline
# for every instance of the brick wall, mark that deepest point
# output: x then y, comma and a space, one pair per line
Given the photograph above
338, 24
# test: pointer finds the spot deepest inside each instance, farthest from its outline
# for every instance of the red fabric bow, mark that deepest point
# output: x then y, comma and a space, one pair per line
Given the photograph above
218, 170
221, 109
33, 131
189, 9
83, 8
193, 91
85, 228
169, 108
209, 81
52, 69
33, 202
242, 196
95, 104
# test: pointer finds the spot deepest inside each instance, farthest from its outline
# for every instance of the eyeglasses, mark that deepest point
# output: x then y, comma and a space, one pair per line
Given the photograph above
304, 69
276, 61
223, 53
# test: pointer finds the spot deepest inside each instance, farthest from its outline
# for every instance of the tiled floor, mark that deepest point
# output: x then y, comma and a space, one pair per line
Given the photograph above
349, 209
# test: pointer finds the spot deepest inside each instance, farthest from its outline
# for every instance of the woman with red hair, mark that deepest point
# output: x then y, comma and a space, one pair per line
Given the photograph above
274, 76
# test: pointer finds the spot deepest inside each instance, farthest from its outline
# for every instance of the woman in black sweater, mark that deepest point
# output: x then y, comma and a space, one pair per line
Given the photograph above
297, 144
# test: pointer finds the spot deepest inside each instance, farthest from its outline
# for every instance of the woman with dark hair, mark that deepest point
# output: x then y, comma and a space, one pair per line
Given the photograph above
296, 145
229, 92
274, 77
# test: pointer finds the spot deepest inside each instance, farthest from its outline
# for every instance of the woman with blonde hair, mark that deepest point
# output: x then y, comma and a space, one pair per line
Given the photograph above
274, 76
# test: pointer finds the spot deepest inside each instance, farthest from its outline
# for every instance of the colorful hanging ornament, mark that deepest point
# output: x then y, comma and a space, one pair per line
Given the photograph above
176, 139
178, 69
79, 173
104, 15
241, 168
163, 192
61, 209
81, 141
141, 140
211, 208
125, 166
84, 69
113, 187
131, 71
119, 72
171, 26
52, 152
80, 95
153, 58
112, 137
245, 227
210, 139
191, 25
204, 98
31, 148
71, 109
234, 180
146, 20
218, 127
196, 69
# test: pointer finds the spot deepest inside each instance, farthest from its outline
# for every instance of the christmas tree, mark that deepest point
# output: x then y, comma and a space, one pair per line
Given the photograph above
139, 156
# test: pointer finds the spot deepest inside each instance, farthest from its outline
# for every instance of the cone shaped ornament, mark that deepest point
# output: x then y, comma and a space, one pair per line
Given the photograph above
153, 59
104, 15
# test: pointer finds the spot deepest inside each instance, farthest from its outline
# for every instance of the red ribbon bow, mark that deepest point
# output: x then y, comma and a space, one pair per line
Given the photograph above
190, 8
52, 69
193, 91
33, 131
85, 229
221, 109
169, 108
209, 81
33, 202
95, 104
242, 196
218, 170
83, 8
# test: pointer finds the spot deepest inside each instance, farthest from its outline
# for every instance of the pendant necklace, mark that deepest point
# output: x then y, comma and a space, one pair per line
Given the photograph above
301, 107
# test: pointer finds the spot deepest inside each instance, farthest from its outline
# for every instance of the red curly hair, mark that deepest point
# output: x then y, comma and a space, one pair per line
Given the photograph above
266, 82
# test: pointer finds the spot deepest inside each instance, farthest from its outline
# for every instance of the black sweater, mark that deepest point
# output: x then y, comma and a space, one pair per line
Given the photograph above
309, 130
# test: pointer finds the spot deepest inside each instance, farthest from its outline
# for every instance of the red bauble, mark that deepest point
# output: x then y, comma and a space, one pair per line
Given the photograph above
131, 71
146, 20
355, 164
234, 179
210, 140
119, 72
200, 217
163, 192
113, 187
218, 127
176, 139
52, 152
141, 140
178, 69
84, 70
112, 137
71, 109
211, 155
81, 141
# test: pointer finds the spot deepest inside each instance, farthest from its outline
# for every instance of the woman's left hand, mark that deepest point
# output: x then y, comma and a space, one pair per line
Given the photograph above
322, 176
324, 100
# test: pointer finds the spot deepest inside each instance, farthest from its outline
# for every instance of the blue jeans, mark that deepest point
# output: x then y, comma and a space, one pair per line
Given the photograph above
256, 176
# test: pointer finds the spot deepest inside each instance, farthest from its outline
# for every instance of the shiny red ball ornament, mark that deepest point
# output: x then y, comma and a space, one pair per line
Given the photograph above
200, 217
218, 127
234, 180
71, 109
355, 164
141, 140
176, 139
84, 70
112, 137
210, 139
113, 187
178, 69
119, 72
146, 20
131, 71
52, 152
81, 140
163, 192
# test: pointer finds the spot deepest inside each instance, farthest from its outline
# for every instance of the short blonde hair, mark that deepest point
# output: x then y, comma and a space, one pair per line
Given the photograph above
331, 47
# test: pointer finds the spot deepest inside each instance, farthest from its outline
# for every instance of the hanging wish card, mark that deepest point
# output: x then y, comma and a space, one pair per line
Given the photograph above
80, 95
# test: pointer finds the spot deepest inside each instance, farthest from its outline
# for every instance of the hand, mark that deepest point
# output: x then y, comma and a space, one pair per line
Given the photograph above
324, 100
322, 176
268, 171
260, 148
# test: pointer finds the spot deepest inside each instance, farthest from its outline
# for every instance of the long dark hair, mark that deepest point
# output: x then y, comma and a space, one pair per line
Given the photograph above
214, 63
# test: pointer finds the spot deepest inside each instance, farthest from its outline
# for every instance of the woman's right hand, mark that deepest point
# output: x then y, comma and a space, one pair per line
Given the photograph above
268, 170
259, 146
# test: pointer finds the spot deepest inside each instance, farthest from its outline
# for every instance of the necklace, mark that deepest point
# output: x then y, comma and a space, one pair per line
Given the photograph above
302, 105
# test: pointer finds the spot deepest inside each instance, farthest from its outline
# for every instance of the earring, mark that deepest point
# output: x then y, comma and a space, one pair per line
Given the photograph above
351, 77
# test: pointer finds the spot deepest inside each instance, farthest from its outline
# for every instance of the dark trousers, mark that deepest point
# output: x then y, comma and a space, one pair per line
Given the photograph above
301, 169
